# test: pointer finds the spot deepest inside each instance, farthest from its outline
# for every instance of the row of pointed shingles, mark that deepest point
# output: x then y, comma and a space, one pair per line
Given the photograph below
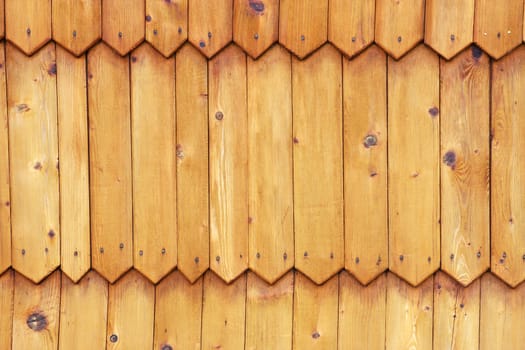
301, 26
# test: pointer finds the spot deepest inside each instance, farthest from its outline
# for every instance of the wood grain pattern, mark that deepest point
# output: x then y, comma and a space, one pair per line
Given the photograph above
498, 26
255, 25
508, 168
365, 164
110, 162
5, 192
83, 312
210, 25
74, 164
192, 162
399, 25
270, 164
318, 167
228, 152
77, 24
362, 313
166, 24
351, 25
2, 18
32, 103
131, 306
449, 25
465, 108
7, 284
413, 165
178, 312
123, 24
154, 162
303, 25
28, 23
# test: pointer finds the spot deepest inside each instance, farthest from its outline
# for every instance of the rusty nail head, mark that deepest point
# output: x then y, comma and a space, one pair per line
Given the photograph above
167, 347
121, 246
120, 35
357, 260
113, 338
451, 256
504, 255
256, 36
219, 115
305, 254
258, 255
202, 44
370, 140
354, 39
163, 251
285, 256
155, 32
141, 253
429, 259
302, 38
148, 18
452, 37
399, 39
28, 31
36, 321
478, 254
75, 253
46, 249
401, 257
180, 30
331, 255
23, 252
316, 335
209, 35
217, 258
196, 260
74, 34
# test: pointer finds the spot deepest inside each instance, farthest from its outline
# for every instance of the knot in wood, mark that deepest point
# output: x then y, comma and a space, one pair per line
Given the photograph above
37, 321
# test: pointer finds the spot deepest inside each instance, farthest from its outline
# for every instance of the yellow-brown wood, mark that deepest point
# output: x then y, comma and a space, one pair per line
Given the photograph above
210, 25
5, 195
154, 162
449, 25
270, 164
166, 24
255, 25
303, 25
131, 306
192, 162
223, 313
351, 25
365, 164
74, 164
456, 314
408, 314
77, 24
178, 310
399, 25
123, 24
465, 116
315, 313
361, 313
269, 313
36, 313
413, 165
498, 26
83, 312
2, 18
28, 23
228, 132
110, 162
33, 141
318, 164
502, 315
508, 168
6, 308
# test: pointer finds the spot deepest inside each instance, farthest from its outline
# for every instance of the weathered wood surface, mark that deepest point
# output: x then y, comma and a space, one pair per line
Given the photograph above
166, 24
28, 23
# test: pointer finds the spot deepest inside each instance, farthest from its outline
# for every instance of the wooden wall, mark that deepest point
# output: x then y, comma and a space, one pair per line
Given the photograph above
262, 174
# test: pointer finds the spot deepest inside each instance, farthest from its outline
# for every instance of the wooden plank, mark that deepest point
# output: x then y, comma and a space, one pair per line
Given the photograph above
2, 18
6, 308
166, 24
399, 25
77, 24
255, 25
508, 169
110, 162
365, 164
315, 313
303, 25
74, 164
83, 313
154, 162
465, 168
228, 151
178, 312
32, 103
502, 315
408, 314
34, 30
449, 25
456, 314
269, 313
123, 24
498, 26
36, 313
192, 162
318, 164
5, 193
270, 177
351, 25
130, 313
361, 313
413, 165
223, 313
210, 25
